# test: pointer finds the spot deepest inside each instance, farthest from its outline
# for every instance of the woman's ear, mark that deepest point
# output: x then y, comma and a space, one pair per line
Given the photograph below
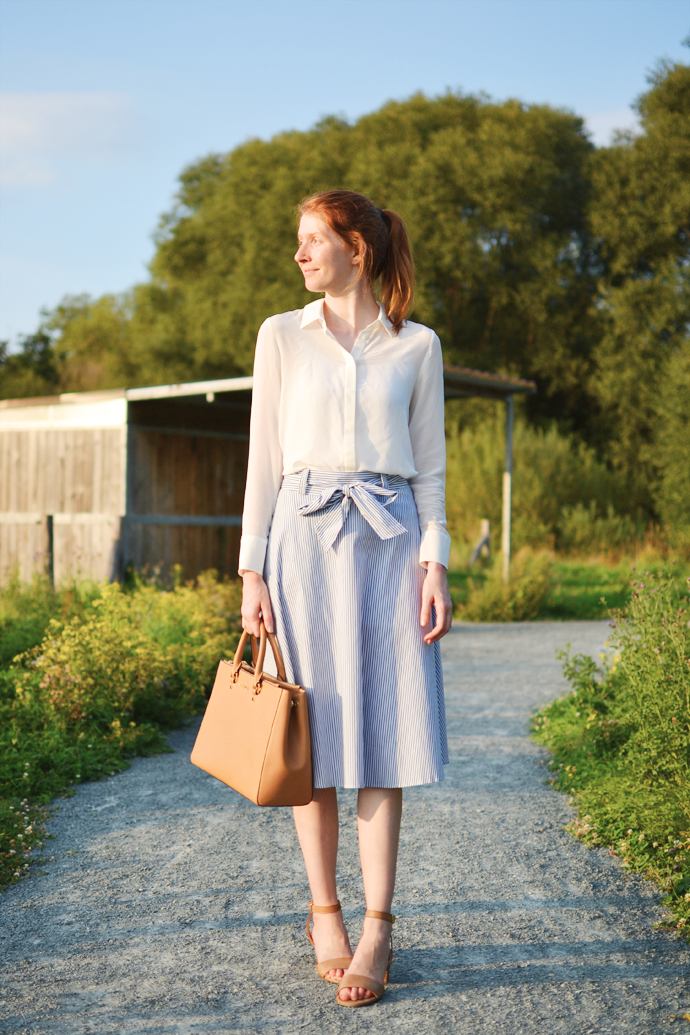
359, 250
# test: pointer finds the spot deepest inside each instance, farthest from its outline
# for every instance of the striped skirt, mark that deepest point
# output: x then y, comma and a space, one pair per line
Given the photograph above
342, 568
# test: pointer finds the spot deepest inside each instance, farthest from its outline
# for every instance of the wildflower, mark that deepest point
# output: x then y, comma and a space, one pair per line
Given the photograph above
629, 832
26, 776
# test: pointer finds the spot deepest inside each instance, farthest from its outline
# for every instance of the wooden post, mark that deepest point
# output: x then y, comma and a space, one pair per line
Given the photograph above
483, 544
507, 488
50, 537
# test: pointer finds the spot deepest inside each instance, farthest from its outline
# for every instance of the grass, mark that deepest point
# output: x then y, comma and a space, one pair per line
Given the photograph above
91, 676
620, 740
577, 588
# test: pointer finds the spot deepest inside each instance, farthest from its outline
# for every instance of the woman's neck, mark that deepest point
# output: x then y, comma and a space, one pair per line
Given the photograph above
348, 314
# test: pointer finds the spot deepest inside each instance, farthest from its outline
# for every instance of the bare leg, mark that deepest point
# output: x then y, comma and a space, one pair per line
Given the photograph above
317, 830
379, 811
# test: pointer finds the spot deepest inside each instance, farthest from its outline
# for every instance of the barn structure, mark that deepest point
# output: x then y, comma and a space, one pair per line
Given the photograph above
91, 482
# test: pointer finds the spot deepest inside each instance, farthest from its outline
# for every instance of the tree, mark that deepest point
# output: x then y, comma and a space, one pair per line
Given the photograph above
92, 342
494, 196
32, 371
672, 441
640, 216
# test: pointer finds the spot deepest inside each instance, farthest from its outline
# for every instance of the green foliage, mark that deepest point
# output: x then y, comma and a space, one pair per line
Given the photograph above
101, 680
521, 599
621, 739
32, 371
82, 345
582, 589
26, 609
93, 342
563, 496
672, 442
640, 216
22, 831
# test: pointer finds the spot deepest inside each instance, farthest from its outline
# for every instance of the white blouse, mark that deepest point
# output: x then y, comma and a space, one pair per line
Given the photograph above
378, 408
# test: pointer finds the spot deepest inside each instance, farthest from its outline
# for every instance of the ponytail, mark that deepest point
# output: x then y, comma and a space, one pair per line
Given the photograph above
387, 253
397, 272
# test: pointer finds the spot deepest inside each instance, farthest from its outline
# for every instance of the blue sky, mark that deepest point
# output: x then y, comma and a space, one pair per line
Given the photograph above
105, 101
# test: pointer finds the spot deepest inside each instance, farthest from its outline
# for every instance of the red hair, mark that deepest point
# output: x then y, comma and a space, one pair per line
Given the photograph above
387, 253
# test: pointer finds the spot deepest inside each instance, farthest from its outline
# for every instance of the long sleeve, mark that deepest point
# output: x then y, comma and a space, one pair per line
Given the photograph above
427, 437
265, 467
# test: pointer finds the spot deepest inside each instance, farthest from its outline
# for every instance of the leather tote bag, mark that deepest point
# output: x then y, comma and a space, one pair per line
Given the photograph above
255, 732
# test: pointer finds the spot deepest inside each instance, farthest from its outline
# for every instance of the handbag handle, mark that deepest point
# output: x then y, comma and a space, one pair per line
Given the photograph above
258, 659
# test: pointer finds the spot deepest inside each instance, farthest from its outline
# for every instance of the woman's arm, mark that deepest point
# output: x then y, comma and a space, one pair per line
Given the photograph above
428, 440
264, 475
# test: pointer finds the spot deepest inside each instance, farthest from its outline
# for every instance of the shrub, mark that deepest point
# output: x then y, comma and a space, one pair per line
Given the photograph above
518, 600
621, 740
563, 496
109, 676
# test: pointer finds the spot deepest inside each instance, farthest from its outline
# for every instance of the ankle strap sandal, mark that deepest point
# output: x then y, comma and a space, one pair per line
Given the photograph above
360, 980
342, 962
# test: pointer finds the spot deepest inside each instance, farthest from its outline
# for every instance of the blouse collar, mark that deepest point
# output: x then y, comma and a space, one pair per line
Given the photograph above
313, 312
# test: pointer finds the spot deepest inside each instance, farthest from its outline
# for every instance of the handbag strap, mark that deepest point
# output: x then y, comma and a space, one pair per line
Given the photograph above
259, 656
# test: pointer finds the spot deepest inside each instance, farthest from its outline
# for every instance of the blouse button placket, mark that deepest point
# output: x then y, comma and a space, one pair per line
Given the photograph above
349, 460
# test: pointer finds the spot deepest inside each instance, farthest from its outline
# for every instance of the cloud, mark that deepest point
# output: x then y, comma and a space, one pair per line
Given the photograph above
603, 124
38, 128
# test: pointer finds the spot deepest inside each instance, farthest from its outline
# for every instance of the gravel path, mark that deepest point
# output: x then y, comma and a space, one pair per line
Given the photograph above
175, 907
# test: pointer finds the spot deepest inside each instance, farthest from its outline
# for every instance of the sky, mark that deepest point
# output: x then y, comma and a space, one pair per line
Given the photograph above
104, 102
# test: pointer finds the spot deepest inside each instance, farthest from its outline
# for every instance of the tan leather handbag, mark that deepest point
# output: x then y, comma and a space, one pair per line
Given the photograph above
255, 732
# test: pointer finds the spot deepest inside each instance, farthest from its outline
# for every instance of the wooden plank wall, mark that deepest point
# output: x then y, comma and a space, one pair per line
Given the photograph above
23, 546
156, 548
191, 473
64, 472
200, 473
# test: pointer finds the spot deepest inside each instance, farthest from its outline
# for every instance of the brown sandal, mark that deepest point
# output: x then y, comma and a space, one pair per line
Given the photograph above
360, 981
343, 962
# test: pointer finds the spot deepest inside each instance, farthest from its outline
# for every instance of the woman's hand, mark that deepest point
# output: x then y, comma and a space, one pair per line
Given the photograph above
256, 603
435, 593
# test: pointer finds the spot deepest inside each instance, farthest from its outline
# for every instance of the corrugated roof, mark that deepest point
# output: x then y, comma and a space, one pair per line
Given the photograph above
459, 381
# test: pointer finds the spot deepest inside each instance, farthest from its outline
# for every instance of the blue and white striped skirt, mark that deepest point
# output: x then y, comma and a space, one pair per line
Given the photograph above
343, 572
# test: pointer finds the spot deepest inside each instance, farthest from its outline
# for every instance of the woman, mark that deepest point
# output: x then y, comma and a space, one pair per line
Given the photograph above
345, 548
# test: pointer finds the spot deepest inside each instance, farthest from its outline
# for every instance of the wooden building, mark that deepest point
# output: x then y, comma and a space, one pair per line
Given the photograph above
93, 481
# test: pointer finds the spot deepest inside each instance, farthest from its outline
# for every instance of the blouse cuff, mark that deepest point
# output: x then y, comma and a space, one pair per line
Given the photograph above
252, 554
435, 546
